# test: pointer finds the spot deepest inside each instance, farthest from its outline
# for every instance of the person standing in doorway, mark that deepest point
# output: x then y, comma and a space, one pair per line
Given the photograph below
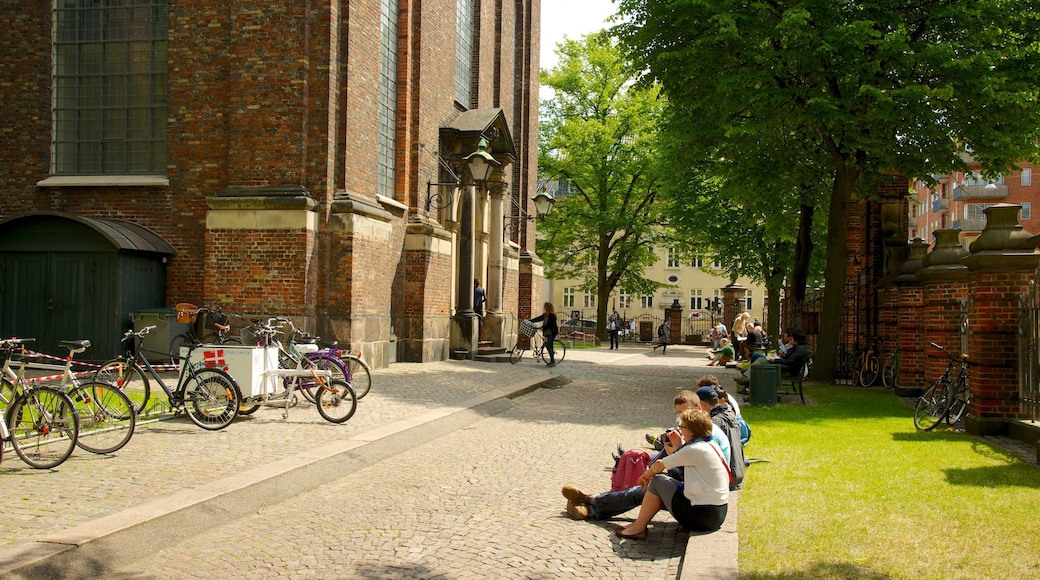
613, 328
479, 298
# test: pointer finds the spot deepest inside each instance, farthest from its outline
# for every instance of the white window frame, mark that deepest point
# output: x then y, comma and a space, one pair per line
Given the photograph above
568, 297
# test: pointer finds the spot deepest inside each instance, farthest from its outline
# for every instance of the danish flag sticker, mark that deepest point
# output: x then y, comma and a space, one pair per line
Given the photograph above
214, 359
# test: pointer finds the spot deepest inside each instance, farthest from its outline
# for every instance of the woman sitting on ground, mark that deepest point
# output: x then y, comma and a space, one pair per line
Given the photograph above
701, 500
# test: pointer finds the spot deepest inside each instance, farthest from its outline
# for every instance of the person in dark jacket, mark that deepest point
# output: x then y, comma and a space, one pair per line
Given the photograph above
792, 362
713, 399
550, 328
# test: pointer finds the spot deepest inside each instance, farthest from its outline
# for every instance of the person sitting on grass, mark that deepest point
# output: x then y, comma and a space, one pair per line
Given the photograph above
700, 500
713, 399
723, 355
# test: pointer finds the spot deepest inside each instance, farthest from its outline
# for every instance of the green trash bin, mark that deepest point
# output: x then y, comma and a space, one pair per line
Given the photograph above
160, 341
765, 382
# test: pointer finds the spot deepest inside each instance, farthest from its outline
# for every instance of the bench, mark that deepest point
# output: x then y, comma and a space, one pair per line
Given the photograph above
795, 381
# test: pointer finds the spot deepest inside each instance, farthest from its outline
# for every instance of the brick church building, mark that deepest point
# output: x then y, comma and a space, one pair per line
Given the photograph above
300, 158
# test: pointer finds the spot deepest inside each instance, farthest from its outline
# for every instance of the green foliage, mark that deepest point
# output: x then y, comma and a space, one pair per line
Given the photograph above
600, 133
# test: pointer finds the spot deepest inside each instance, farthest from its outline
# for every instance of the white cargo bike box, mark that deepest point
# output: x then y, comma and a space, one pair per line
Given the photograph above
246, 364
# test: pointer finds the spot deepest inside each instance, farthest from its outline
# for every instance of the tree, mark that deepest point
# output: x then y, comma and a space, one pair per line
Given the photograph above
599, 134
876, 87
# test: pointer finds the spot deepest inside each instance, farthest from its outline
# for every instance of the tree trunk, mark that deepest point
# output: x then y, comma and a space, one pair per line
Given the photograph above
803, 248
835, 272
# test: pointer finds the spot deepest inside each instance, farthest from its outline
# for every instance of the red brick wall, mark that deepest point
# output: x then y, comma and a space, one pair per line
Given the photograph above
941, 321
262, 272
911, 337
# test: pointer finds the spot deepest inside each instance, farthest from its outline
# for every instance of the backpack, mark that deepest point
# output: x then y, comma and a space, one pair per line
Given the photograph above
745, 430
633, 463
660, 330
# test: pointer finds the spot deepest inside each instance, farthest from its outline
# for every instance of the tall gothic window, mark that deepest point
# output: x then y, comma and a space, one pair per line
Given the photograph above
387, 97
464, 52
110, 87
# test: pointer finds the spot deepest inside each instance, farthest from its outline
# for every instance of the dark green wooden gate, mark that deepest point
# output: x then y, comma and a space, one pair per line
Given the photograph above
70, 278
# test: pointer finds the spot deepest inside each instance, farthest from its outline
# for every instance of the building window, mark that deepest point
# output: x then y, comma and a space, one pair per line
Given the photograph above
590, 300
464, 52
716, 264
671, 258
696, 299
697, 262
1026, 212
110, 99
748, 302
1027, 176
646, 301
624, 300
387, 98
568, 297
975, 211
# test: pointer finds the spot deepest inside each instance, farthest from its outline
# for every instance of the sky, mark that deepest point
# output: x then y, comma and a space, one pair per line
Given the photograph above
570, 18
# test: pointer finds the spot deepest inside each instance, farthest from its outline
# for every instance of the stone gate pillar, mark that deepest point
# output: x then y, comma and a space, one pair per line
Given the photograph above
1000, 266
944, 281
909, 333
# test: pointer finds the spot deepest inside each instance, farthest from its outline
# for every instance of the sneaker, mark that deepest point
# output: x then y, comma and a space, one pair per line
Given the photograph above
577, 511
575, 495
552, 364
655, 442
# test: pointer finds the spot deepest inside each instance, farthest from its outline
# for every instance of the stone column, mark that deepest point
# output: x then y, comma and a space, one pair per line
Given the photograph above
944, 280
910, 336
674, 314
1002, 262
493, 318
730, 308
464, 339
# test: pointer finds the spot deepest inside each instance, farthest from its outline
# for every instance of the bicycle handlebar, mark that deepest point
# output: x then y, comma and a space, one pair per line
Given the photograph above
963, 358
140, 333
13, 341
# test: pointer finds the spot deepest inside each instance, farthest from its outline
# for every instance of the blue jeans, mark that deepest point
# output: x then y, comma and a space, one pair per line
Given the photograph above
549, 338
614, 503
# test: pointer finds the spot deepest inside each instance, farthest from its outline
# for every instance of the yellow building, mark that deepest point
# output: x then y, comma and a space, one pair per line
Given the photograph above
695, 286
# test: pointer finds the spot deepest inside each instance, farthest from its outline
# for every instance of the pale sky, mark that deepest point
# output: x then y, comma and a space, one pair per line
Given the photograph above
570, 18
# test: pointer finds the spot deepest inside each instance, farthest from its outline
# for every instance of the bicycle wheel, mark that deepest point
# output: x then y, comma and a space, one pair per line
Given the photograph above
325, 362
44, 427
129, 378
888, 374
7, 395
559, 347
360, 377
337, 401
868, 375
516, 353
212, 399
106, 417
958, 403
932, 407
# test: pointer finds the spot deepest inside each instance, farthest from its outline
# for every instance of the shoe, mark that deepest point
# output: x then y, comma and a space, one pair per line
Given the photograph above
577, 511
640, 536
620, 450
651, 439
616, 457
576, 495
552, 364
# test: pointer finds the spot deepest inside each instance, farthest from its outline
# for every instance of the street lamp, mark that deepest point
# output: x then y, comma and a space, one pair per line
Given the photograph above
481, 165
543, 204
481, 162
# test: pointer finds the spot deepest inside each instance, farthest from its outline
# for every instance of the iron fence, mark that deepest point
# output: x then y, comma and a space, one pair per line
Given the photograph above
1029, 350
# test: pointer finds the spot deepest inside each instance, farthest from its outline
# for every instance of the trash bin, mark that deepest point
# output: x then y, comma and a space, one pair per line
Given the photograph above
160, 341
765, 382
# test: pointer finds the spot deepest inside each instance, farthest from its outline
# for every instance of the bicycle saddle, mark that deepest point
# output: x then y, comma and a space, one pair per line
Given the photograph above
75, 345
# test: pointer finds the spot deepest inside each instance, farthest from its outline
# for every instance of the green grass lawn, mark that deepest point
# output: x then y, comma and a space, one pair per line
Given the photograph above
852, 490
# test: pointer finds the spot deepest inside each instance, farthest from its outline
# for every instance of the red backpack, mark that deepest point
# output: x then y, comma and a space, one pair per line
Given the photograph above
633, 463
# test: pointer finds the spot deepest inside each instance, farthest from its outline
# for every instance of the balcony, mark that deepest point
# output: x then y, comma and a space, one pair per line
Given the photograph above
941, 205
970, 225
980, 192
913, 222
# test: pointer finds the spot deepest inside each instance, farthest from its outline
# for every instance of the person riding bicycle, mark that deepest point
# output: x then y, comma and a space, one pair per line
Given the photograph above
550, 328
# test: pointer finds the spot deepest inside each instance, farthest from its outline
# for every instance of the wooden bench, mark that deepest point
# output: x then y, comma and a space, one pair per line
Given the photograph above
795, 381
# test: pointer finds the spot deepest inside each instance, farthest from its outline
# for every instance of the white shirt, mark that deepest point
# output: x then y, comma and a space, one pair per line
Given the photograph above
706, 481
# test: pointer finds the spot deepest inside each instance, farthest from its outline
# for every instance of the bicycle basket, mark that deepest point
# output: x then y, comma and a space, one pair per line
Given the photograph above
187, 313
527, 329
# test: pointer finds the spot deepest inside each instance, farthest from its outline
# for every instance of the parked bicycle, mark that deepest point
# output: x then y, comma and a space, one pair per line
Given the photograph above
869, 369
531, 337
948, 398
890, 373
209, 396
39, 421
216, 327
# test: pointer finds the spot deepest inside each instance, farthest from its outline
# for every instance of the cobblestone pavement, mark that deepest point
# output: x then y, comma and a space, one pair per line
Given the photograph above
481, 501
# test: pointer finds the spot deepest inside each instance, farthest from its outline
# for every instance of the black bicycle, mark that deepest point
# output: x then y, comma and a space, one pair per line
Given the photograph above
948, 398
210, 396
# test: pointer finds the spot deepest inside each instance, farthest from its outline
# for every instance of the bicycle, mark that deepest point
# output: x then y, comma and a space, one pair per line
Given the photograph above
39, 421
531, 337
869, 366
298, 346
335, 399
890, 373
107, 417
215, 320
947, 399
209, 396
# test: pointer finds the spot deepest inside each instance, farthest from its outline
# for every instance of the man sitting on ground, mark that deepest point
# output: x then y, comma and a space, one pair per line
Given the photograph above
723, 355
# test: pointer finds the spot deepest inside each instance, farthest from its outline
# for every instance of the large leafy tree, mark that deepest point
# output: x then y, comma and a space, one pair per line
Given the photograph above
600, 134
878, 86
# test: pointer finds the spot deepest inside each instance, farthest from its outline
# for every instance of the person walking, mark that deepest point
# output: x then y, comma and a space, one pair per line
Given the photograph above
613, 328
664, 331
550, 328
